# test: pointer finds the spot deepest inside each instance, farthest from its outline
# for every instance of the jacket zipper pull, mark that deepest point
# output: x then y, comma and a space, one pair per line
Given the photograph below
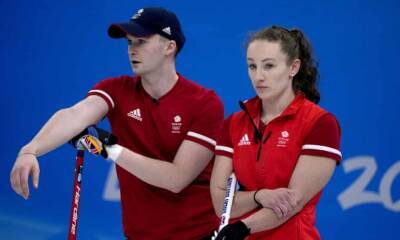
261, 143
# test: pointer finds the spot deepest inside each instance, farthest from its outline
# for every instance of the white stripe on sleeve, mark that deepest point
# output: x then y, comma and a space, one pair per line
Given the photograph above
105, 95
322, 148
223, 148
202, 137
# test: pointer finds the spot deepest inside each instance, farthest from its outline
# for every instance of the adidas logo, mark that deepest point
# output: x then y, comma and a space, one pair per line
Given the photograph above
135, 114
167, 30
138, 14
244, 141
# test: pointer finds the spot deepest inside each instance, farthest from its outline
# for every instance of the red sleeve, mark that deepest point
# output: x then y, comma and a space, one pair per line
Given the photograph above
207, 122
106, 89
324, 139
224, 142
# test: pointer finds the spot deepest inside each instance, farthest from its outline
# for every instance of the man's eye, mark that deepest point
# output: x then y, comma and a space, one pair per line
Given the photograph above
136, 42
139, 42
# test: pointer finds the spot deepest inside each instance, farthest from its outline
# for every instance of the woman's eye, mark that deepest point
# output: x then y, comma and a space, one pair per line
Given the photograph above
252, 66
268, 66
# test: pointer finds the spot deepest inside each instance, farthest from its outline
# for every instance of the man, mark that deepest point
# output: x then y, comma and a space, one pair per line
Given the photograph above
166, 125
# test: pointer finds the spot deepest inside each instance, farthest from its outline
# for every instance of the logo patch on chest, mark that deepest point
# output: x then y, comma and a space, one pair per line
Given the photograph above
244, 140
283, 139
176, 124
135, 114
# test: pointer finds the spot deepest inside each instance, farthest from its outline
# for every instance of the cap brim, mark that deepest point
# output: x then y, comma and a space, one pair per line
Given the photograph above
120, 30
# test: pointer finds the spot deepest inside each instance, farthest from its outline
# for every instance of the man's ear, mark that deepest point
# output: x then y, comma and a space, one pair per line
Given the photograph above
171, 47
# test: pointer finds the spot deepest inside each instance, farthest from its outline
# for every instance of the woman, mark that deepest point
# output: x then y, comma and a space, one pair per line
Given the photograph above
282, 146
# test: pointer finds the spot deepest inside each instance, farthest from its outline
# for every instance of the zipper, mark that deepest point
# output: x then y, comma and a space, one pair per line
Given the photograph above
257, 133
262, 143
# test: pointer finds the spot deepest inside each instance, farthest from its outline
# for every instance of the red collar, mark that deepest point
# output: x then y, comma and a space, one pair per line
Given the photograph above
139, 87
254, 107
295, 105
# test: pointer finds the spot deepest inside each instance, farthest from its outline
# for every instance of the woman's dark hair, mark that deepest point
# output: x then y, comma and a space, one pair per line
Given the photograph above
295, 44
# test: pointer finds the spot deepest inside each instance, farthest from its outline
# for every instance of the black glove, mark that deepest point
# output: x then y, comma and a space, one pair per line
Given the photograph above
94, 139
234, 231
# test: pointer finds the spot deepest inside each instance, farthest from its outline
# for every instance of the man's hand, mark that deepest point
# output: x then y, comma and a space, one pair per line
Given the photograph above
234, 231
26, 165
94, 140
91, 144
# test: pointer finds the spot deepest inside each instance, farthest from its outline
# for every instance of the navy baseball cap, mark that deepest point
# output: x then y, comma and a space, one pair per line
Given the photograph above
149, 21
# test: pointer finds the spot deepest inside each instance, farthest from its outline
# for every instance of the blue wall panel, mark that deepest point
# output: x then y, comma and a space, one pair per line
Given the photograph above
53, 52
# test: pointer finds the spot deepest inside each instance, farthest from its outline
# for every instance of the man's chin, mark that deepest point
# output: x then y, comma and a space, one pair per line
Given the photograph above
136, 70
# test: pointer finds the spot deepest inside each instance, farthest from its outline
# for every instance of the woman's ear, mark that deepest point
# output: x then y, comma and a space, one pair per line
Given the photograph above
295, 67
